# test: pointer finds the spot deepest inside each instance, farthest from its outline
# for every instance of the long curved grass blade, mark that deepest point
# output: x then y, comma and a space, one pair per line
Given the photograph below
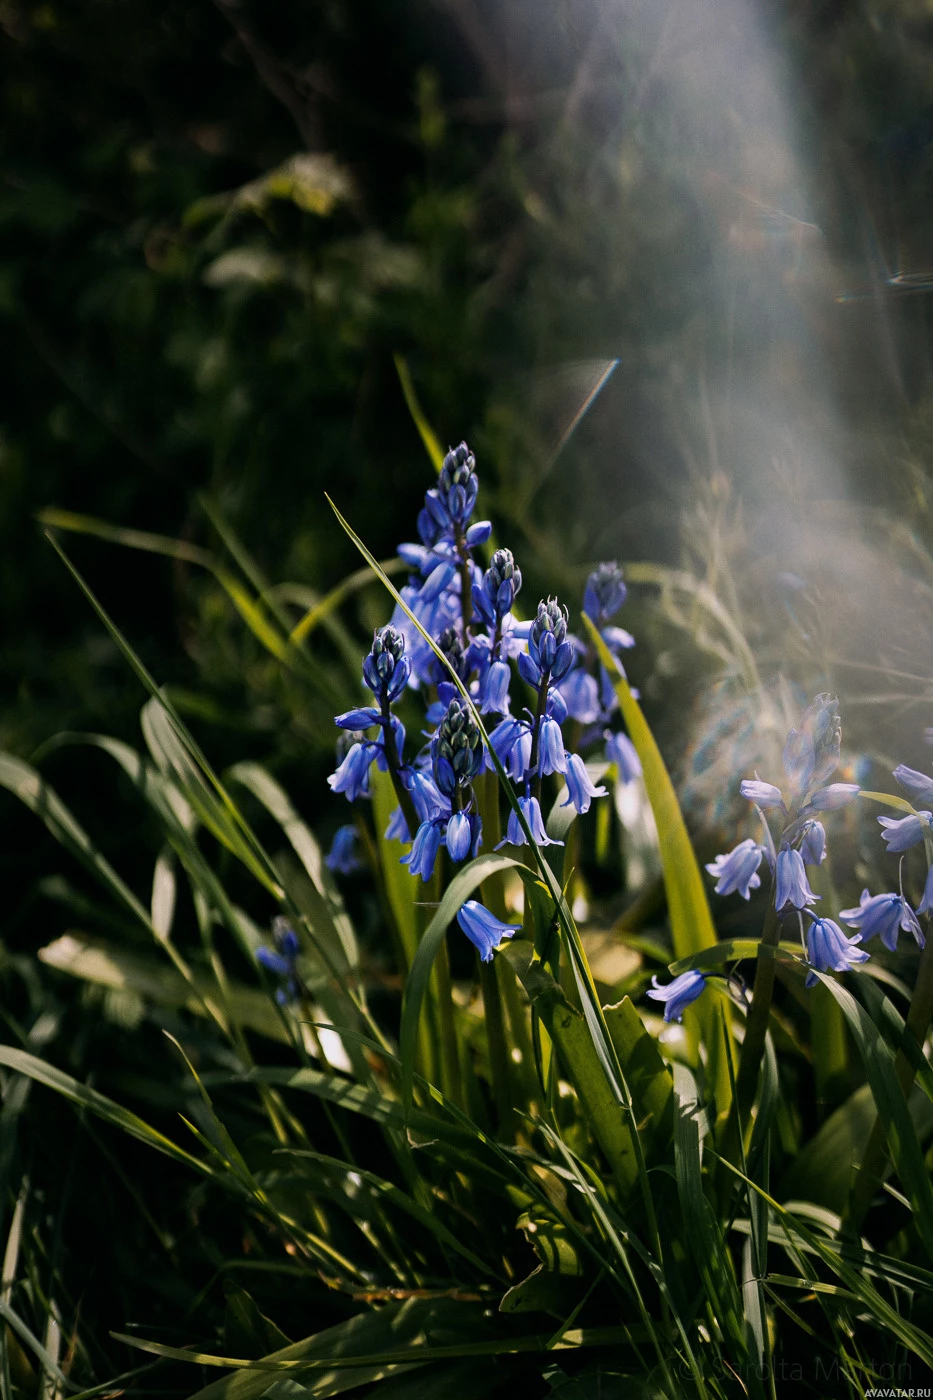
43, 1073
425, 431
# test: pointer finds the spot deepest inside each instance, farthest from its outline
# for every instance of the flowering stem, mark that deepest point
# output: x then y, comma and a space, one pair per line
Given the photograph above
395, 773
871, 1172
449, 1045
756, 1025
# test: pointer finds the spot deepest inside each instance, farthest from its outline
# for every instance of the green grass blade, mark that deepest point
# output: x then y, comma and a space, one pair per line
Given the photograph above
425, 431
43, 1073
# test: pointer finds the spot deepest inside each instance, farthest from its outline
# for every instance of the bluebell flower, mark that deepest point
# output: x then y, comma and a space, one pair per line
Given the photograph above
622, 752
496, 689
905, 832
531, 811
581, 696
464, 835
451, 504
926, 903
791, 886
483, 929
828, 949
352, 776
363, 718
678, 994
343, 857
551, 755
423, 854
580, 789
883, 914
282, 960
764, 795
737, 870
511, 740
494, 597
424, 794
813, 845
917, 784
604, 594
830, 799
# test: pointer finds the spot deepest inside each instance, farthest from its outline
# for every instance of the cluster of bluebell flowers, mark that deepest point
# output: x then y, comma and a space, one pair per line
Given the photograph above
811, 755
468, 611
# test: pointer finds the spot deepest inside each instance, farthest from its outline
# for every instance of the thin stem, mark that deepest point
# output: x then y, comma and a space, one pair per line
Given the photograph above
395, 773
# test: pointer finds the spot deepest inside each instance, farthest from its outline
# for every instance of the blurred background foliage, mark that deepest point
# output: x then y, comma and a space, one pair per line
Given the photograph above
221, 223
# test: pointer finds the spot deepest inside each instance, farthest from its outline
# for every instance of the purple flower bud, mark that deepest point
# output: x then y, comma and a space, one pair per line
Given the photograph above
579, 787
828, 949
737, 870
883, 914
483, 929
563, 661
358, 719
529, 670
478, 533
906, 832
830, 799
678, 994
791, 886
459, 836
764, 795
604, 593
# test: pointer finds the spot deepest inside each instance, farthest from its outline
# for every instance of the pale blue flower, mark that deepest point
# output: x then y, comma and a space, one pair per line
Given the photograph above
551, 755
764, 795
830, 799
604, 593
483, 929
531, 811
906, 832
581, 696
791, 886
423, 854
883, 914
352, 777
579, 787
678, 994
464, 835
737, 870
828, 949
917, 784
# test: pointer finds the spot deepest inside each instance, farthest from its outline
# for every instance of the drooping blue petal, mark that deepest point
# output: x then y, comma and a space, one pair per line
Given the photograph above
496, 689
791, 885
906, 832
885, 915
352, 777
423, 854
397, 829
483, 929
580, 789
917, 784
531, 811
737, 870
828, 949
678, 994
551, 755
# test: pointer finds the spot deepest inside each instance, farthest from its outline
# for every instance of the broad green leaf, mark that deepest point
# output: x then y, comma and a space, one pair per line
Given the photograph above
646, 1072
